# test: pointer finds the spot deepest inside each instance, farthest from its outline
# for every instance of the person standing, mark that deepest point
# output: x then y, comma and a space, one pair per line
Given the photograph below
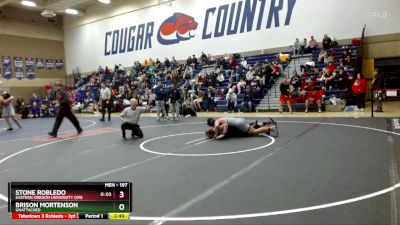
64, 110
105, 101
359, 89
174, 98
160, 100
130, 117
8, 111
285, 95
378, 84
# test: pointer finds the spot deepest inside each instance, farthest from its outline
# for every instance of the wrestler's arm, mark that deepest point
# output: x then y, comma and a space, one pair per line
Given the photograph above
219, 122
224, 130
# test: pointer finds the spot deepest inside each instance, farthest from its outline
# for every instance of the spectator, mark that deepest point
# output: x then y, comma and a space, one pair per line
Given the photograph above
328, 79
220, 78
250, 75
312, 45
295, 81
346, 58
359, 89
36, 99
233, 62
247, 103
234, 75
148, 97
19, 104
174, 98
303, 46
198, 99
331, 67
297, 47
209, 98
243, 62
241, 85
322, 57
307, 67
35, 110
194, 61
341, 79
378, 83
173, 61
231, 99
160, 100
285, 97
276, 72
313, 97
327, 42
203, 58
105, 101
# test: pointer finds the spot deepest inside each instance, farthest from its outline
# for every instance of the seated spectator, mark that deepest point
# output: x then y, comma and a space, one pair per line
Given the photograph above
285, 97
234, 77
233, 62
276, 72
307, 67
313, 97
203, 58
44, 111
247, 103
198, 100
312, 45
167, 64
173, 61
231, 100
346, 58
295, 81
328, 79
331, 67
209, 98
250, 75
19, 104
341, 79
35, 110
194, 61
189, 61
326, 42
241, 85
322, 57
220, 78
303, 46
201, 80
243, 62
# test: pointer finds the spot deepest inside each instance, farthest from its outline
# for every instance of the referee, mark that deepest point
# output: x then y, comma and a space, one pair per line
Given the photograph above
64, 110
105, 101
130, 117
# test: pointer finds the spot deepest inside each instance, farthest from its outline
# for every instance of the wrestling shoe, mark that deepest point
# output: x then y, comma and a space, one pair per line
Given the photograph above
274, 128
52, 135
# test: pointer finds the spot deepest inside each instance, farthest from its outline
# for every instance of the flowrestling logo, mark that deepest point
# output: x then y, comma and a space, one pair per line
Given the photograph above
179, 27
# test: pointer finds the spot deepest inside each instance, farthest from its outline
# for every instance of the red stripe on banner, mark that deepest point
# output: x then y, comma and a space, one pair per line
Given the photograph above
71, 135
45, 216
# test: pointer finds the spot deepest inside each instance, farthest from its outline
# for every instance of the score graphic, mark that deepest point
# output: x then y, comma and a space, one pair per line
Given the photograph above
69, 201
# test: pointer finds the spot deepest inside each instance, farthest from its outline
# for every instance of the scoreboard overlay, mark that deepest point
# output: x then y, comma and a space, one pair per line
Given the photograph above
69, 200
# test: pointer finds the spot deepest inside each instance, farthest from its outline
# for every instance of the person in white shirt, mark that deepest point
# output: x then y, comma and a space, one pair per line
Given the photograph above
243, 62
130, 117
250, 75
220, 78
105, 101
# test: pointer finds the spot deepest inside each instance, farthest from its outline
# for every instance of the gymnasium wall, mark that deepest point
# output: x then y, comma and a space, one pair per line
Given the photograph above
219, 27
30, 35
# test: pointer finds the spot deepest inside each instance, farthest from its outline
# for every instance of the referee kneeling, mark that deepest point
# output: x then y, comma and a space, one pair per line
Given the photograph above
130, 117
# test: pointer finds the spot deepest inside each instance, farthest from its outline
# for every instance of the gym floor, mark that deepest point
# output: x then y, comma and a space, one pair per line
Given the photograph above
318, 171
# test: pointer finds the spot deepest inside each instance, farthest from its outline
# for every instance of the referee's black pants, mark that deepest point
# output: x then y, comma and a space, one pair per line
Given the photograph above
65, 112
135, 128
105, 106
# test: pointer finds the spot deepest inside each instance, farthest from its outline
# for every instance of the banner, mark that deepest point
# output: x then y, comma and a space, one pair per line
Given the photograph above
6, 61
49, 64
19, 73
39, 63
30, 74
59, 64
18, 62
7, 73
29, 63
